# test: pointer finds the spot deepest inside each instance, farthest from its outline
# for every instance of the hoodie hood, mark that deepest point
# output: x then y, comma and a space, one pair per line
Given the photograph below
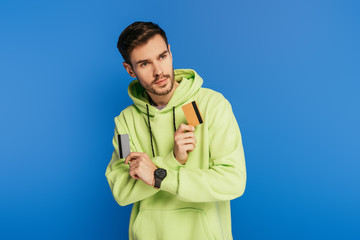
189, 84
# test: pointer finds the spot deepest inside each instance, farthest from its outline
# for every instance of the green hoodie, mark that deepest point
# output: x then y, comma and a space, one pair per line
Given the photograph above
193, 201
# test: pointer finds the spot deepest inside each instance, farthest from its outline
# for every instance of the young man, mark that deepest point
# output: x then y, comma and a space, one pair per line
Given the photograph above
180, 178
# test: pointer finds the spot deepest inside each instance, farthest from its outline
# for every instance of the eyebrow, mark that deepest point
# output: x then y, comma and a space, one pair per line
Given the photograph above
146, 60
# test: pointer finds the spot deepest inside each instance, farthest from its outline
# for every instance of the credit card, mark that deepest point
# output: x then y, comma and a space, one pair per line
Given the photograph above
192, 114
124, 145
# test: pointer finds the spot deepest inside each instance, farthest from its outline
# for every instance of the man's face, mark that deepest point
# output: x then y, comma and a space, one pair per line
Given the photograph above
152, 65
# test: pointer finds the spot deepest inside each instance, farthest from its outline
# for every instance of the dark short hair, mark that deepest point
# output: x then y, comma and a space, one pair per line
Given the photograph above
137, 34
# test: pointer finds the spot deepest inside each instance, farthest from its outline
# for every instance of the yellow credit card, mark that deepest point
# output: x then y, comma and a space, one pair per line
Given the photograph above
192, 114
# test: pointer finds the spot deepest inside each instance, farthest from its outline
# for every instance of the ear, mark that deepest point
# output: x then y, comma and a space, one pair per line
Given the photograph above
129, 69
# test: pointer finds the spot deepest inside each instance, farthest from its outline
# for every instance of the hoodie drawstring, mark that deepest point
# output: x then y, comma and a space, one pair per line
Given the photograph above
152, 147
148, 115
174, 119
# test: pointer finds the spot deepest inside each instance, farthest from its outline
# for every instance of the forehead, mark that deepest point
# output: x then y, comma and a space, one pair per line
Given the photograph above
150, 50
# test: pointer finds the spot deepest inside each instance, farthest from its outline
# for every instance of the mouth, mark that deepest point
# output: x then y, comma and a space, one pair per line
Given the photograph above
161, 81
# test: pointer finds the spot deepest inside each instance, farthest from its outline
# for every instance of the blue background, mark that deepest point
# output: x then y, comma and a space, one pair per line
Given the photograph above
290, 69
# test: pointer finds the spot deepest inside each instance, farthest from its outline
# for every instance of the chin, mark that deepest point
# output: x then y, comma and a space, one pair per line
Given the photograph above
162, 91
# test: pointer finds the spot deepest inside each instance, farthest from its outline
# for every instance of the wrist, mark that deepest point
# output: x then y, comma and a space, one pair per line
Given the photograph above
182, 162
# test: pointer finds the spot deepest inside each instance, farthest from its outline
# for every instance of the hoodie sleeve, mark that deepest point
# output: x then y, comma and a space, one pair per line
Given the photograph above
226, 177
125, 189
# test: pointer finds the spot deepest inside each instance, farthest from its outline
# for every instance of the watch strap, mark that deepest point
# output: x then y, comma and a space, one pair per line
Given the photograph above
157, 183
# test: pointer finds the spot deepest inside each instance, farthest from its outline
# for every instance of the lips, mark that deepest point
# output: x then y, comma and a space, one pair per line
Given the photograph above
161, 81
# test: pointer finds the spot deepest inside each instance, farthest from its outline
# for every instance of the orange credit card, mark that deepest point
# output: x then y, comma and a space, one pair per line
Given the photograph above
192, 114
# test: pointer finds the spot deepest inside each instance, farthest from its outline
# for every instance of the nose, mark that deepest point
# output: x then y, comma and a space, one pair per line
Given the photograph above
157, 69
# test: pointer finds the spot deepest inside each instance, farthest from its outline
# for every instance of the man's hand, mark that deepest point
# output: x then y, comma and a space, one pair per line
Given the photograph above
184, 142
141, 167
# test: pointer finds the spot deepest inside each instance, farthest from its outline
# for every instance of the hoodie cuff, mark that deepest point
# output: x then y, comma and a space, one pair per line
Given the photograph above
171, 182
167, 162
172, 166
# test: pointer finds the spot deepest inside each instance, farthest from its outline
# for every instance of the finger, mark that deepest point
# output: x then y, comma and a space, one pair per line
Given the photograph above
184, 127
189, 147
133, 162
134, 176
179, 136
131, 167
134, 166
186, 147
186, 141
133, 155
134, 173
128, 158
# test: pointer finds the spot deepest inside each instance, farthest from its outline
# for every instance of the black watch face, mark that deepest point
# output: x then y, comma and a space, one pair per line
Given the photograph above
160, 173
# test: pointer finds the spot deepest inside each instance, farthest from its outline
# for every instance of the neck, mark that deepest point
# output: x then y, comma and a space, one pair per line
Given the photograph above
161, 100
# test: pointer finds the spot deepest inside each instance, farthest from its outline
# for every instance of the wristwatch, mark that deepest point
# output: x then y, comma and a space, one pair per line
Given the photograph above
159, 175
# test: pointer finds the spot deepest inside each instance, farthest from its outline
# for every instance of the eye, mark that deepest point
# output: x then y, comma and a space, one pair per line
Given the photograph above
163, 56
144, 64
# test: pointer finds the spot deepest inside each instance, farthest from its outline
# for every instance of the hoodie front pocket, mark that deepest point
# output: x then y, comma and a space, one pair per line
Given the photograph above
186, 223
